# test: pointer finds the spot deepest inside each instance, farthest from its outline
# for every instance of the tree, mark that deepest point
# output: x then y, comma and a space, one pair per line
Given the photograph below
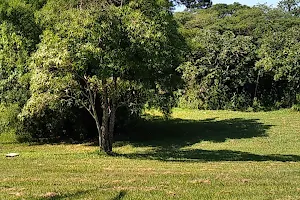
290, 6
218, 70
280, 58
252, 85
195, 4
19, 34
13, 55
227, 10
89, 55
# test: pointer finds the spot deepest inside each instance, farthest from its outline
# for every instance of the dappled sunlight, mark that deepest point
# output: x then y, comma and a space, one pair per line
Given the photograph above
130, 149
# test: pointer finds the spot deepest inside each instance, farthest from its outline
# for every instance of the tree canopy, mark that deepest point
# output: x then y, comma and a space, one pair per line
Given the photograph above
87, 56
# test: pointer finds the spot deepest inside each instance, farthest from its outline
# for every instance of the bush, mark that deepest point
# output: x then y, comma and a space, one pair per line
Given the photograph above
8, 118
296, 107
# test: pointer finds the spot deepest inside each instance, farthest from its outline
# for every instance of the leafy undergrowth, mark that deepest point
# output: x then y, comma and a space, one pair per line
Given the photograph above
194, 155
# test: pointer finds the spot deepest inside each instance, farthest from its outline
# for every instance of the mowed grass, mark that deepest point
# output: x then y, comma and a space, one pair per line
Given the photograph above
194, 155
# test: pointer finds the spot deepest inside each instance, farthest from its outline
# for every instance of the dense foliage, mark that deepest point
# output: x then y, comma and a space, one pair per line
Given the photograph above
240, 57
86, 68
102, 61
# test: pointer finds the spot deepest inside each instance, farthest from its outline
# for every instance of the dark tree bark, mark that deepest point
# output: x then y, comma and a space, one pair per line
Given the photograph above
113, 110
95, 116
106, 146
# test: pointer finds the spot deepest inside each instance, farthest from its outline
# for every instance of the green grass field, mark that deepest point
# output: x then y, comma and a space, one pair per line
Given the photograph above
194, 155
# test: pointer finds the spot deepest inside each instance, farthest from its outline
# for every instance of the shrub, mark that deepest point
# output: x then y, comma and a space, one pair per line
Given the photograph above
296, 107
8, 118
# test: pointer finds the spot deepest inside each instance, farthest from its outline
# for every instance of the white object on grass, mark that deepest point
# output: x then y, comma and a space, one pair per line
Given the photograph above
12, 155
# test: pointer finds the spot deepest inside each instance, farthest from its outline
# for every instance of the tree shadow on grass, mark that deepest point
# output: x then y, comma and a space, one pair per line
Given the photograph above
180, 133
168, 137
120, 196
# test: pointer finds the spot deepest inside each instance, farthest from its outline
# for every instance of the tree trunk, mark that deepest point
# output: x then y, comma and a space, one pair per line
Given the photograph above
113, 110
112, 120
91, 108
98, 127
256, 87
106, 146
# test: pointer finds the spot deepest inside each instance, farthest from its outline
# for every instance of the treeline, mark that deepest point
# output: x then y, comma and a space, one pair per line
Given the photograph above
82, 69
241, 57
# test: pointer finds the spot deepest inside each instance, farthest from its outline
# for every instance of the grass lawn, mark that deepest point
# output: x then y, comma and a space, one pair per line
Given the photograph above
194, 155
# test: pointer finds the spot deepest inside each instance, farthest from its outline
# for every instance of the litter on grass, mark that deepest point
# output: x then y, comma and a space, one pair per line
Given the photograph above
12, 155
